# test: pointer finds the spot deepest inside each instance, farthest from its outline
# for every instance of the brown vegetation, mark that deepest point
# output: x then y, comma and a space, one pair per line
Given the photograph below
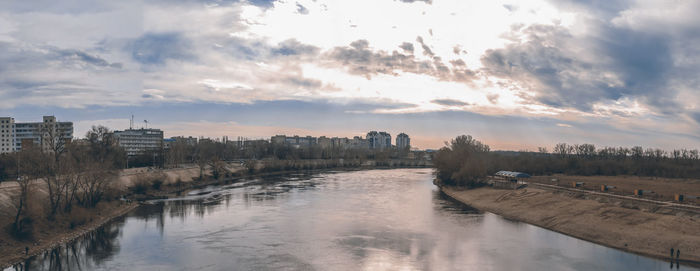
466, 161
663, 189
67, 173
624, 225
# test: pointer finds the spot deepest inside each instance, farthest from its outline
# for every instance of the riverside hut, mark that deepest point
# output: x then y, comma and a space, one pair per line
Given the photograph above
509, 179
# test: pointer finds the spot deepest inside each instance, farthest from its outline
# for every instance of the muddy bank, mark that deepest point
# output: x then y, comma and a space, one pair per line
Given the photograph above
13, 251
618, 225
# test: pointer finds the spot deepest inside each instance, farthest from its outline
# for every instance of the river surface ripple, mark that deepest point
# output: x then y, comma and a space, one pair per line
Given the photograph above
360, 220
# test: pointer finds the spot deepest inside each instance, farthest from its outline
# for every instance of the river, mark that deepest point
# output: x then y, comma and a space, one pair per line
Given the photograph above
361, 220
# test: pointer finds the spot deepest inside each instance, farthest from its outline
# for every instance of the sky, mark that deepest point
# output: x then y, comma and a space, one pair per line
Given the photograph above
516, 75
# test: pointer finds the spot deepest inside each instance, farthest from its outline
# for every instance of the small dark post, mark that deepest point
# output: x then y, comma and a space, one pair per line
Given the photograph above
671, 253
26, 250
678, 253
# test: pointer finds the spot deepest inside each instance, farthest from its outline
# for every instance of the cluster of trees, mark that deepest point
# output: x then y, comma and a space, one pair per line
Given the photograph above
465, 161
69, 173
82, 171
208, 153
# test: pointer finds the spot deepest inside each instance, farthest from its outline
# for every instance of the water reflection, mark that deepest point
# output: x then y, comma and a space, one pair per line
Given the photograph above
81, 254
365, 220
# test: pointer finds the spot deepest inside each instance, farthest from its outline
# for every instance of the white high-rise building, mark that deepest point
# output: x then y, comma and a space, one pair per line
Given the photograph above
15, 135
7, 135
40, 133
403, 141
379, 140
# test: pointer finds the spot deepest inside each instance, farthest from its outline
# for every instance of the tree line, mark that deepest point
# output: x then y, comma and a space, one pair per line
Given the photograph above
70, 174
465, 161
82, 172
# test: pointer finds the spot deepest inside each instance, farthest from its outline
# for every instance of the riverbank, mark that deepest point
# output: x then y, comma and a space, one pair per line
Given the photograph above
13, 251
620, 225
176, 182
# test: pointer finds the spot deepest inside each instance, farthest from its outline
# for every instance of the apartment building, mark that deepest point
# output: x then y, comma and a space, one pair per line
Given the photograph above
14, 136
139, 141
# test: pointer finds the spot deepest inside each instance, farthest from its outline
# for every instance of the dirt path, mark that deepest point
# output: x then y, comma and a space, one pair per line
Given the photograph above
605, 223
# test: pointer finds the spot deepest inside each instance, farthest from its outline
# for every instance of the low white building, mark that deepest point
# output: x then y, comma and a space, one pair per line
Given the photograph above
139, 141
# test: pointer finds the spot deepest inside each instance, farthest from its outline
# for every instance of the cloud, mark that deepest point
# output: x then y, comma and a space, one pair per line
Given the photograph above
17, 56
627, 63
449, 102
44, 74
566, 71
360, 59
426, 50
413, 1
294, 47
157, 48
511, 8
407, 47
301, 9
696, 116
493, 98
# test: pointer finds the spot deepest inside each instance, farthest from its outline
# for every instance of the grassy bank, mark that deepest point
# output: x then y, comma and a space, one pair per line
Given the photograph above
616, 224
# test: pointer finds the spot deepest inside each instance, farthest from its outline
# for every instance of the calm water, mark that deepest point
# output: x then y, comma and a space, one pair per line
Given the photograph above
365, 220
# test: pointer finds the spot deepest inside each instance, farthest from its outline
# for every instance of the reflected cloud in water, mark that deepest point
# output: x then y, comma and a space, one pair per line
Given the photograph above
378, 219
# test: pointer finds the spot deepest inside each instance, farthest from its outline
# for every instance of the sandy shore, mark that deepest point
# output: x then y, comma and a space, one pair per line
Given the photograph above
618, 225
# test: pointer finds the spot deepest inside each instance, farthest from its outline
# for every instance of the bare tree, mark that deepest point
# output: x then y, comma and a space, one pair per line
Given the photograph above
204, 152
25, 164
53, 146
94, 181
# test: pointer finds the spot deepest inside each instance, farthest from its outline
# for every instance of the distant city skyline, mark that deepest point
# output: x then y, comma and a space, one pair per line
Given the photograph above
514, 74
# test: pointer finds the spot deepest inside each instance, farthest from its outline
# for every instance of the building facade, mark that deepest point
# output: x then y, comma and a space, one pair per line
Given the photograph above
17, 135
190, 141
294, 141
403, 141
325, 142
378, 140
139, 141
7, 135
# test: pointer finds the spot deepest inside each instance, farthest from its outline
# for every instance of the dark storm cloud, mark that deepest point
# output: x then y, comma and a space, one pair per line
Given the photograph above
449, 102
614, 63
157, 48
644, 61
360, 59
